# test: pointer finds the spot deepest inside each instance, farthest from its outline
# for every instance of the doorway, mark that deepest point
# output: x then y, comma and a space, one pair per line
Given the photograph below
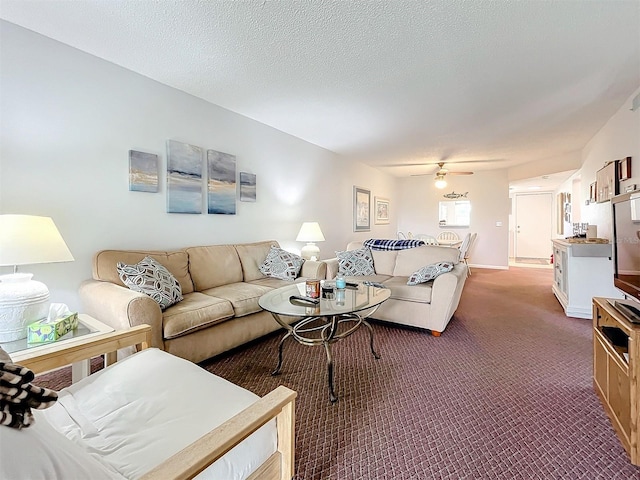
533, 228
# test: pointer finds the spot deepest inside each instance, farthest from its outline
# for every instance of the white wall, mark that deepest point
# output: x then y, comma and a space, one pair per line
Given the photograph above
488, 192
618, 138
68, 121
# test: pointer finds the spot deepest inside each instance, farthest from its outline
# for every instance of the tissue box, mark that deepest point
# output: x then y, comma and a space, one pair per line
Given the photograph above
46, 330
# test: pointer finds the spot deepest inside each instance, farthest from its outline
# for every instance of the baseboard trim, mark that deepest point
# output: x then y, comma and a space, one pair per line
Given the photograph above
492, 267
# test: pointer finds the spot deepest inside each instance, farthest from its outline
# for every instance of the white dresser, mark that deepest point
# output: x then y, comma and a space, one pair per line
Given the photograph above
582, 270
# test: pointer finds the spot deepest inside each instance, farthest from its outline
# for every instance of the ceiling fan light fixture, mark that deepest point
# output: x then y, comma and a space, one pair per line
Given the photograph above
440, 182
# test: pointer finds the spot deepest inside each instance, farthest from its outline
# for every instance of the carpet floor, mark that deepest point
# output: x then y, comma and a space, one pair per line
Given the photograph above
505, 393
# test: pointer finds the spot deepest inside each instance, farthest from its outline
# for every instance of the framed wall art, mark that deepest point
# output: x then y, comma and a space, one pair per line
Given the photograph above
143, 172
361, 209
624, 169
381, 209
184, 178
247, 187
221, 183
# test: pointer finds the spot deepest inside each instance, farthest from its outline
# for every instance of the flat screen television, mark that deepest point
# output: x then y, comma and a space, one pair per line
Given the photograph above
626, 251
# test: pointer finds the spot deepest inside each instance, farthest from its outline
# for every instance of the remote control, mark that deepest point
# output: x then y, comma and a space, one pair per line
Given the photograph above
299, 298
374, 284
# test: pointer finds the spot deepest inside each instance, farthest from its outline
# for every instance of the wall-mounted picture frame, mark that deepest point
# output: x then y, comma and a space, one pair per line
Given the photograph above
247, 187
143, 172
593, 191
221, 183
361, 209
184, 178
624, 169
381, 210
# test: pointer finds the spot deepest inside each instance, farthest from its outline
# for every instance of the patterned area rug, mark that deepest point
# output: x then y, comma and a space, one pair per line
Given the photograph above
505, 393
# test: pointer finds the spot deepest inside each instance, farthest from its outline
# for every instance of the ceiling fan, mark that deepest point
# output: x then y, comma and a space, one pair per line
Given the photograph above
441, 172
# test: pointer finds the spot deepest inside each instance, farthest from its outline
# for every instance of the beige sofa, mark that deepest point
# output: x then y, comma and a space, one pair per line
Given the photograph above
427, 305
221, 285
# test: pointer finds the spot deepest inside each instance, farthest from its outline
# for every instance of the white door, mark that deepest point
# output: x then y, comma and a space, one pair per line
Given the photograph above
533, 225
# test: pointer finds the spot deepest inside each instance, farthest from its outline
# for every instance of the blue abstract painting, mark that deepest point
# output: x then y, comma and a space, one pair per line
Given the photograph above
184, 178
221, 183
143, 171
247, 187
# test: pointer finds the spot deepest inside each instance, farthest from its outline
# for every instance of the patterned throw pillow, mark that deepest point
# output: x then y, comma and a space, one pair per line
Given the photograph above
355, 262
153, 279
429, 272
281, 264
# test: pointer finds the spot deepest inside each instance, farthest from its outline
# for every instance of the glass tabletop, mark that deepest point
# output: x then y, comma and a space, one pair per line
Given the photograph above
344, 301
21, 344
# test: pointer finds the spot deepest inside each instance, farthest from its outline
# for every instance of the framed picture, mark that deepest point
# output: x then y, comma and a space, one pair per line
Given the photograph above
221, 183
381, 209
593, 188
184, 178
143, 171
361, 209
624, 169
247, 187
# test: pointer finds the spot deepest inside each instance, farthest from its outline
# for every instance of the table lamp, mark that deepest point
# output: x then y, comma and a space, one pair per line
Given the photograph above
26, 240
310, 232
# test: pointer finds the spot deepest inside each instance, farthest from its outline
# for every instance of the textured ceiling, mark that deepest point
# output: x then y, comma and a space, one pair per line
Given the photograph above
383, 82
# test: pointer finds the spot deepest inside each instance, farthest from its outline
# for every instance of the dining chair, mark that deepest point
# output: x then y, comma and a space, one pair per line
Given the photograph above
467, 243
464, 248
428, 239
448, 237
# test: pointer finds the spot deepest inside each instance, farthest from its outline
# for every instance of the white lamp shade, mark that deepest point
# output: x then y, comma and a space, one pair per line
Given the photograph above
28, 240
440, 182
310, 232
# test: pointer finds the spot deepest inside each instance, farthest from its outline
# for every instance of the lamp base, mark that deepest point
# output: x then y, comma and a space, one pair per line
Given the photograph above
22, 301
310, 252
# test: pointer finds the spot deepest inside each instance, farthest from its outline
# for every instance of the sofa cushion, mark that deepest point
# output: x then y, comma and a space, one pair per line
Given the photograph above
272, 283
281, 264
242, 296
251, 257
429, 272
420, 293
408, 261
151, 278
355, 262
194, 312
214, 265
177, 262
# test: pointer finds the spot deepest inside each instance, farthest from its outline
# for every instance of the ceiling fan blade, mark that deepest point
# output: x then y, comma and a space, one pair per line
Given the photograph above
459, 173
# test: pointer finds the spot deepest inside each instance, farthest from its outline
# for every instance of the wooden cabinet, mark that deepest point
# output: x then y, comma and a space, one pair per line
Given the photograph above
616, 370
607, 182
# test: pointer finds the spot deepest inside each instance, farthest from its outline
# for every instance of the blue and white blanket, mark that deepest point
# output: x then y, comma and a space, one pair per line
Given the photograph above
383, 244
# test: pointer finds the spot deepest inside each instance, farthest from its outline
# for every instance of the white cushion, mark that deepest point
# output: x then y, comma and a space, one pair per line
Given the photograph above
355, 262
131, 420
281, 264
41, 452
429, 272
153, 279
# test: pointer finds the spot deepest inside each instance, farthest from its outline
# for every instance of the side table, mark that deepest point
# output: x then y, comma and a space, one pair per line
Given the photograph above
88, 327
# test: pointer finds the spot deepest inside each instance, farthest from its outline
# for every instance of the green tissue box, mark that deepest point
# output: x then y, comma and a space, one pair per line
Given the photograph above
44, 330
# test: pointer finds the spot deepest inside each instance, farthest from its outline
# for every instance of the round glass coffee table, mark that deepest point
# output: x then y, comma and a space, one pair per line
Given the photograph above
324, 322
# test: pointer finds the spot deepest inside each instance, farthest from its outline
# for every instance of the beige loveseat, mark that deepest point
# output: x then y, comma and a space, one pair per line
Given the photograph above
221, 285
427, 305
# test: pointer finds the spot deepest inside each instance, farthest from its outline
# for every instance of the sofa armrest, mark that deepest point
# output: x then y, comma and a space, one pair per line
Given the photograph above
445, 295
122, 308
332, 268
313, 269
